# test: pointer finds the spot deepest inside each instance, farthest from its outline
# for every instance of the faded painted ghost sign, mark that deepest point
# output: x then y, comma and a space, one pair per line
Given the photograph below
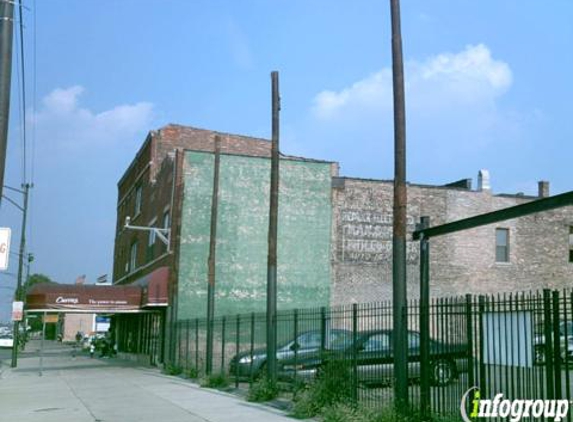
367, 236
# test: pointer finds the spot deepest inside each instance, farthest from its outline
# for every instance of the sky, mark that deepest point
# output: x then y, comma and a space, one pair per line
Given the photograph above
488, 86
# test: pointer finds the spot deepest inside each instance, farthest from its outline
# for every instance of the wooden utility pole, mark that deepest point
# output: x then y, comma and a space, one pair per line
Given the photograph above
273, 234
6, 34
212, 257
399, 225
18, 296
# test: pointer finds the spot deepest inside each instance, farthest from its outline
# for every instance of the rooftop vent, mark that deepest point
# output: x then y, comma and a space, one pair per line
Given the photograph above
483, 180
543, 189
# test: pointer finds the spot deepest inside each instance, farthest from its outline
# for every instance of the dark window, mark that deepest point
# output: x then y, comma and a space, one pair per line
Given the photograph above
166, 220
133, 257
502, 245
138, 199
151, 242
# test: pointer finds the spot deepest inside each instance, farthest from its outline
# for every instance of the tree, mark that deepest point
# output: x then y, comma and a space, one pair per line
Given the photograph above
36, 279
36, 323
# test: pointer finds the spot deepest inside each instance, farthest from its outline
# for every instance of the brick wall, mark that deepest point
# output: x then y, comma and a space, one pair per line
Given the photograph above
461, 263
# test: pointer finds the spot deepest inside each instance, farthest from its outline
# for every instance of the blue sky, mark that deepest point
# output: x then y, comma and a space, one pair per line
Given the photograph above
488, 85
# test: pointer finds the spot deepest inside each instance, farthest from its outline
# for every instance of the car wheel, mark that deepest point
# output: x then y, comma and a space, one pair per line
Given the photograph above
443, 372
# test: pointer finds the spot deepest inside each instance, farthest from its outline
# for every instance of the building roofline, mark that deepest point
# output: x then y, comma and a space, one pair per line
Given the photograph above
148, 139
282, 156
442, 187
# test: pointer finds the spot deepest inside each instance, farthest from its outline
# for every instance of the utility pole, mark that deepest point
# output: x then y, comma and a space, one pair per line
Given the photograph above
18, 293
6, 34
211, 259
273, 234
399, 225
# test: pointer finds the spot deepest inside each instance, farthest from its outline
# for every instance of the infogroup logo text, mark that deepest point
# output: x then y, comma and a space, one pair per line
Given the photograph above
515, 410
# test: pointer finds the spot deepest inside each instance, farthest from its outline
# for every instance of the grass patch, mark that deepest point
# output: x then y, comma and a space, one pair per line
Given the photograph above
331, 387
171, 369
219, 381
262, 390
192, 373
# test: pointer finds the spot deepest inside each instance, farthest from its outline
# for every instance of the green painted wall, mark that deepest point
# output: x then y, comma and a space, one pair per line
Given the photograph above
304, 235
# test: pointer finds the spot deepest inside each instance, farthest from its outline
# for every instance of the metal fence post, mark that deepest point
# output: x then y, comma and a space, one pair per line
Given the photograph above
223, 345
197, 344
482, 368
252, 347
354, 352
296, 345
237, 348
470, 339
425, 397
322, 329
557, 345
548, 333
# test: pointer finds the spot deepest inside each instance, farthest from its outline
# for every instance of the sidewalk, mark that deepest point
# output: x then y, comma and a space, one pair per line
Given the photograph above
80, 389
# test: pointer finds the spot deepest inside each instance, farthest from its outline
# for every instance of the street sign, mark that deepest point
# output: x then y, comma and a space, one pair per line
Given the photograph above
17, 311
51, 318
5, 233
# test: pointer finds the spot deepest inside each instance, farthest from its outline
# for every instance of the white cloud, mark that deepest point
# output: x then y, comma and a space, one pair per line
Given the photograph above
469, 77
64, 122
240, 46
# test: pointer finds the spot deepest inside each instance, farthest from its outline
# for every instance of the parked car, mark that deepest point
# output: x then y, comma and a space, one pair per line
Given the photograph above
247, 364
375, 359
6, 341
566, 341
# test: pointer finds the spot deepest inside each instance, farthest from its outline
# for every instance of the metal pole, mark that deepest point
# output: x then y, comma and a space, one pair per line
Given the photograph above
425, 321
212, 257
18, 294
399, 226
6, 35
273, 232
42, 343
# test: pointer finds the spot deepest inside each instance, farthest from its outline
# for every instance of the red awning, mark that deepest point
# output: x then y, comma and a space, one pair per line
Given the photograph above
82, 298
155, 288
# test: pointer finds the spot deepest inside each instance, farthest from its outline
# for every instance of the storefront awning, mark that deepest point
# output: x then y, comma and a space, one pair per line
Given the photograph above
79, 298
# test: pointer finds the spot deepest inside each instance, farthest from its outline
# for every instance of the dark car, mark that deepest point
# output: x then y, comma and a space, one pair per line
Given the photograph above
374, 359
247, 364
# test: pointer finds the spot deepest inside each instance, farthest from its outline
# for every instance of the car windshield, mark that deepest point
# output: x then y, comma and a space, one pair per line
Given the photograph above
340, 341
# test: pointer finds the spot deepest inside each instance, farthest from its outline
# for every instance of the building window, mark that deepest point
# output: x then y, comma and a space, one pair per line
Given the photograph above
570, 243
133, 257
151, 241
166, 220
502, 245
138, 197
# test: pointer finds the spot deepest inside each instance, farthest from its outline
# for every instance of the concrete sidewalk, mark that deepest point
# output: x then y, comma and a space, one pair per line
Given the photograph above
78, 389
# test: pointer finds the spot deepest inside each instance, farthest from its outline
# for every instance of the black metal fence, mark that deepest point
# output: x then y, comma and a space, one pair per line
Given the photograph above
518, 345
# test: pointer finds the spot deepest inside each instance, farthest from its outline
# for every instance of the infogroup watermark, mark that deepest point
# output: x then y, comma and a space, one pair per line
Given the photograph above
513, 410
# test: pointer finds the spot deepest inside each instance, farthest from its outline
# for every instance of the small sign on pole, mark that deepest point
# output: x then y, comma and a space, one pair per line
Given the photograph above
51, 318
17, 311
5, 233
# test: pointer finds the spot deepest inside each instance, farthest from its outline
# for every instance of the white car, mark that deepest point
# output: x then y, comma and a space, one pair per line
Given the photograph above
6, 340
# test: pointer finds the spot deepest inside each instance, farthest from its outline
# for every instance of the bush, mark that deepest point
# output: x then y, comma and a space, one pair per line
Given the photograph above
215, 381
262, 390
192, 373
172, 369
342, 412
331, 386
